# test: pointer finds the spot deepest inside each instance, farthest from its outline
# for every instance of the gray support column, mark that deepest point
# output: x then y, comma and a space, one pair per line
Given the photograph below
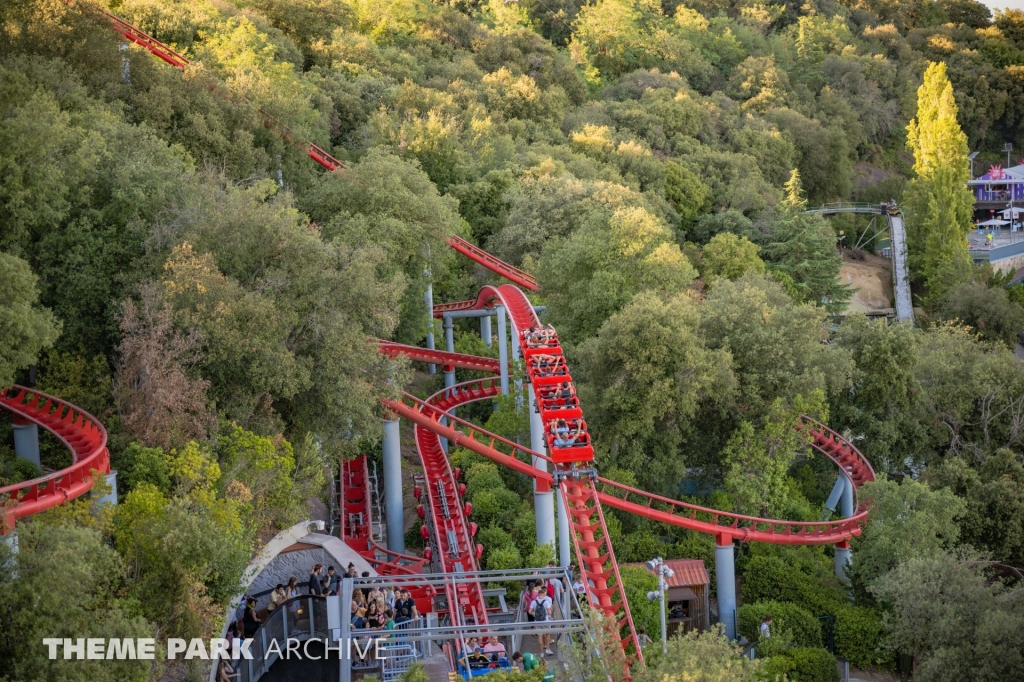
843, 558
564, 539
428, 298
543, 500
837, 491
393, 512
725, 584
110, 497
485, 330
846, 500
502, 348
26, 440
449, 334
843, 552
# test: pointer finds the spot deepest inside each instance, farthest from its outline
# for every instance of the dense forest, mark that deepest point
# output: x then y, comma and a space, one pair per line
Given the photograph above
185, 272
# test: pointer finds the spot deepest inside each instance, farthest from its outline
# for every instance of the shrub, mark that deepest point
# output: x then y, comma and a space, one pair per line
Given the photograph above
787, 618
812, 664
858, 633
771, 578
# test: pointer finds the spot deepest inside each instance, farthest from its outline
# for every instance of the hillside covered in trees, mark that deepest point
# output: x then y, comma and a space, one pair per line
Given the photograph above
187, 274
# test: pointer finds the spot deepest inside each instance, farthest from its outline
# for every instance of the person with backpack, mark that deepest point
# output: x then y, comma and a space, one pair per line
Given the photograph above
540, 607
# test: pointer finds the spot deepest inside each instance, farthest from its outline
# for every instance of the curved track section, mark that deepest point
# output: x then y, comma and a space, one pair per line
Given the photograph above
83, 435
648, 505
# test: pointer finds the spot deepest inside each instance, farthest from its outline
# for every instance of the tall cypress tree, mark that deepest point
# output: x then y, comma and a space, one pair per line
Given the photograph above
938, 203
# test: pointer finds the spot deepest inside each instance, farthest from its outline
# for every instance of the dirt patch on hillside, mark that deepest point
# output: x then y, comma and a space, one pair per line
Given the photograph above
871, 277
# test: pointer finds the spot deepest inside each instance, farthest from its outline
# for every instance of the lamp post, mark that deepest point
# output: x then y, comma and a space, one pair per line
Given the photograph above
657, 567
971, 157
1008, 147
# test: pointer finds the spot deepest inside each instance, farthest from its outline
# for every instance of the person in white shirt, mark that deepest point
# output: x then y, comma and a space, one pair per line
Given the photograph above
765, 630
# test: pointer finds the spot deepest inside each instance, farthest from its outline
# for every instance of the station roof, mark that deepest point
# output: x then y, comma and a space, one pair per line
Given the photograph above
687, 572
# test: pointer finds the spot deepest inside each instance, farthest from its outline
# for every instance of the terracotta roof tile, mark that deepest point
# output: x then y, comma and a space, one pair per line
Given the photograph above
687, 572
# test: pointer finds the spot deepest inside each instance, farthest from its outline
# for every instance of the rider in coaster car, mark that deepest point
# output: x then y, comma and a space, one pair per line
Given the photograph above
565, 392
569, 433
536, 337
548, 365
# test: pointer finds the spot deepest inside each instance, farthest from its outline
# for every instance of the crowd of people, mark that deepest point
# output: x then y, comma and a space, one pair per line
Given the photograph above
377, 606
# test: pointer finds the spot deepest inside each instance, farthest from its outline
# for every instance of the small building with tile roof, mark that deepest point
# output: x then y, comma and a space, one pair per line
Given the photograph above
687, 596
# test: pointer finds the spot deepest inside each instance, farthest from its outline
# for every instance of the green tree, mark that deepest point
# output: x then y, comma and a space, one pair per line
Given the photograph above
803, 248
989, 312
598, 269
643, 377
26, 327
32, 610
906, 520
886, 395
731, 221
757, 461
939, 205
729, 256
953, 619
776, 345
700, 657
795, 199
994, 495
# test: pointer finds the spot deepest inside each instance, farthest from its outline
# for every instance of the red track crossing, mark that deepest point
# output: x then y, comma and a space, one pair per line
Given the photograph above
583, 492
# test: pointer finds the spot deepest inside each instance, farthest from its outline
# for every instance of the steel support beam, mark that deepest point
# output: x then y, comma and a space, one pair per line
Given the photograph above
428, 298
837, 491
502, 347
485, 330
543, 498
843, 558
394, 514
564, 539
846, 500
26, 440
725, 584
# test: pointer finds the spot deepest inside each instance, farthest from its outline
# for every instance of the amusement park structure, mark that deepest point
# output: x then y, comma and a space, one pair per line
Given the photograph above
560, 470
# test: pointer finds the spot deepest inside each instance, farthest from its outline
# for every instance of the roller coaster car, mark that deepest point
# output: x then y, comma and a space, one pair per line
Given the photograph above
555, 409
575, 445
530, 347
547, 365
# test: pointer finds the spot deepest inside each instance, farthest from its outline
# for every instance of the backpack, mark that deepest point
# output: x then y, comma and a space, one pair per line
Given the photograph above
551, 589
540, 611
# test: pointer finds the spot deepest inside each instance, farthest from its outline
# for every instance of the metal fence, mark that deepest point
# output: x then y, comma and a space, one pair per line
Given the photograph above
298, 619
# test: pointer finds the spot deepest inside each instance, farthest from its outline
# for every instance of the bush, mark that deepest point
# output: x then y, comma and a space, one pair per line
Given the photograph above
812, 664
858, 633
637, 582
413, 539
787, 618
772, 578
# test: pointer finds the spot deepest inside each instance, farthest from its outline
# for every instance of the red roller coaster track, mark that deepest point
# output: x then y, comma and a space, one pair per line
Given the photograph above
83, 435
318, 154
583, 492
